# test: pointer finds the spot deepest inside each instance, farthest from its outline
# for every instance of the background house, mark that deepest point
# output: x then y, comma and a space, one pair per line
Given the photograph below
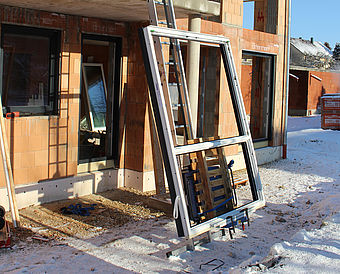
310, 53
55, 52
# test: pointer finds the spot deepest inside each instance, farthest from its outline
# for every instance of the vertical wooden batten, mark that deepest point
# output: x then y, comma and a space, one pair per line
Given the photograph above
8, 171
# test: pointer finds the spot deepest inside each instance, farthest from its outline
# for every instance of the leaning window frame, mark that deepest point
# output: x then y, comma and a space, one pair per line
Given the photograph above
54, 36
170, 152
91, 119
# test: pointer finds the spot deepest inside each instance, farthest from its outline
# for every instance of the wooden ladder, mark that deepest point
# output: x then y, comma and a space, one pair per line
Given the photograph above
172, 71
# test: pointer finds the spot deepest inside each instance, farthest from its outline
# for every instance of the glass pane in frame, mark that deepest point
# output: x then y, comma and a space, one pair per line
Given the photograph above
96, 95
214, 114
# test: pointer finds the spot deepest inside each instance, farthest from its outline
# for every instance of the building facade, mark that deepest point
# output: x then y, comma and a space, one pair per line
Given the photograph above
68, 141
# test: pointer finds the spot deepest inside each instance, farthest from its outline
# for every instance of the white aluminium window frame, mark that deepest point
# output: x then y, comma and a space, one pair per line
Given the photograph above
171, 152
90, 111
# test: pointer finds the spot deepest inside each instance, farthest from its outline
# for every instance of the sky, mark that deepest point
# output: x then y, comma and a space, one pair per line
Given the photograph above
310, 18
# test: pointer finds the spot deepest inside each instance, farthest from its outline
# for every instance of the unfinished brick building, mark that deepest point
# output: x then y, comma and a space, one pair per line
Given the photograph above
62, 146
311, 76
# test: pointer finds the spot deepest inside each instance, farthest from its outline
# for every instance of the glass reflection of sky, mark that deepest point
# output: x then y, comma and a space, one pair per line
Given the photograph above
97, 99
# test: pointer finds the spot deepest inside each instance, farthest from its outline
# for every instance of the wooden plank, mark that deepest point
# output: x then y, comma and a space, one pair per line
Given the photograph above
217, 182
226, 178
240, 181
211, 158
8, 171
156, 154
212, 162
206, 195
215, 172
219, 192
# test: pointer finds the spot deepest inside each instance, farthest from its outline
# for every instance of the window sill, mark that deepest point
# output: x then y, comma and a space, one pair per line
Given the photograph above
95, 166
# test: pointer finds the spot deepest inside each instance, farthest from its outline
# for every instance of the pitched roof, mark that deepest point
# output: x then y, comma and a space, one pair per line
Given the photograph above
307, 47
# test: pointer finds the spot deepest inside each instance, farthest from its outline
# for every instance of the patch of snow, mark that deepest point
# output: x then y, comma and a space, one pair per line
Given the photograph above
316, 251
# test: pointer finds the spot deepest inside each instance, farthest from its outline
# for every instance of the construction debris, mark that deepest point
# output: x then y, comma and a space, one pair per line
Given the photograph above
40, 238
77, 209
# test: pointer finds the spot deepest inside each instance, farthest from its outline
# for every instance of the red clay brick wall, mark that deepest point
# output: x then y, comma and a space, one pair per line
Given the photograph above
246, 78
330, 80
305, 93
232, 12
46, 147
136, 153
330, 83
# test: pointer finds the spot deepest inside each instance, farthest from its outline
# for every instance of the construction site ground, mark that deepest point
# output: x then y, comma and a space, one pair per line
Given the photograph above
111, 209
298, 230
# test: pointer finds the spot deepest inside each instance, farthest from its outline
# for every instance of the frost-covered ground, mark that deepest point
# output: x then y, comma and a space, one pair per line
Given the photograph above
298, 230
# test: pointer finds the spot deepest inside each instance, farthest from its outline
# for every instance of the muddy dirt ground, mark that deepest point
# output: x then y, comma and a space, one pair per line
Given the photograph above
110, 209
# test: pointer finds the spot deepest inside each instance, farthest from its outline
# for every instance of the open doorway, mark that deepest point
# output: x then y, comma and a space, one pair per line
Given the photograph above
98, 126
257, 90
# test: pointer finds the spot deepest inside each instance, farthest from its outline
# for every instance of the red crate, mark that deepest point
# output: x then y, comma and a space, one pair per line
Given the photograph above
330, 111
330, 121
330, 103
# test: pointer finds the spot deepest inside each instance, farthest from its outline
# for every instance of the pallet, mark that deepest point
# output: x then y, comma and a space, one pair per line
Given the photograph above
211, 181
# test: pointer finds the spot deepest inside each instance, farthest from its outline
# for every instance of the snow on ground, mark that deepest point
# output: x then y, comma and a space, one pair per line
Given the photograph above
314, 154
298, 230
316, 251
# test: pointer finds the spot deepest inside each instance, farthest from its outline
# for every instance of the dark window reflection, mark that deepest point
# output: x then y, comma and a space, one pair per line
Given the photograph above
29, 64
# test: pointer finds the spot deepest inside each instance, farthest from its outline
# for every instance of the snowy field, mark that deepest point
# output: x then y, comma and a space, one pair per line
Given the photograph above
297, 232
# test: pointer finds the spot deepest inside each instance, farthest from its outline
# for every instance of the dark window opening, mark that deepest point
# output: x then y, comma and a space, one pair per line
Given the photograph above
257, 90
260, 15
99, 114
30, 59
